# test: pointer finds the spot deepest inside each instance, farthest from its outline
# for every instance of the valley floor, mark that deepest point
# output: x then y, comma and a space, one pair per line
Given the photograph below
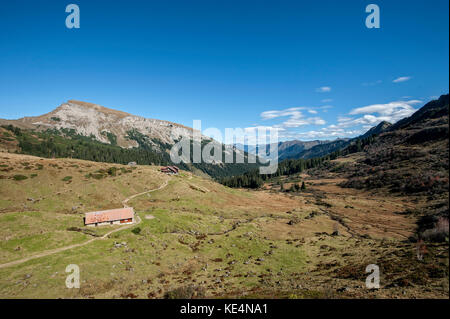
200, 239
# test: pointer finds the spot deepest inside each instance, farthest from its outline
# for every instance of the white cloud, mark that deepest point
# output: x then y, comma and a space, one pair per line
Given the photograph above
253, 135
325, 108
296, 117
394, 110
352, 124
317, 121
343, 119
323, 89
327, 100
290, 123
402, 79
293, 112
324, 133
368, 117
372, 115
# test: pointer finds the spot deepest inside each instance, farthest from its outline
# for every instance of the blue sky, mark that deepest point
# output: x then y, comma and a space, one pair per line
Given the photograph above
308, 68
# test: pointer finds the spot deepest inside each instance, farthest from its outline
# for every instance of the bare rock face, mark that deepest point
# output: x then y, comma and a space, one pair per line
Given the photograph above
90, 119
112, 126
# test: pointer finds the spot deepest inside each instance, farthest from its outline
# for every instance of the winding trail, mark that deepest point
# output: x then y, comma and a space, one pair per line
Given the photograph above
126, 200
58, 250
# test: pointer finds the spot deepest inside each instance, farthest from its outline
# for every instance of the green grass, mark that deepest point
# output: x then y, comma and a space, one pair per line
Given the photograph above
190, 240
26, 233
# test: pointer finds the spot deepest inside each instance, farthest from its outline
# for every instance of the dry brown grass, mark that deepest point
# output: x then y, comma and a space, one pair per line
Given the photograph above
228, 242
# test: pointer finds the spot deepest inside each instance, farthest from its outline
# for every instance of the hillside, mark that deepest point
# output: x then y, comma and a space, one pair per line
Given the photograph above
88, 119
412, 158
287, 149
308, 231
409, 158
376, 130
195, 238
93, 132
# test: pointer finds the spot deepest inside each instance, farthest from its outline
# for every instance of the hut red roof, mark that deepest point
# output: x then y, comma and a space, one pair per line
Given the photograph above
109, 215
168, 169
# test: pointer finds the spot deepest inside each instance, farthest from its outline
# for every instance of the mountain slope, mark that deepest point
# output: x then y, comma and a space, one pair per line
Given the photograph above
380, 128
93, 132
408, 158
411, 158
436, 109
286, 150
410, 154
90, 119
196, 238
323, 149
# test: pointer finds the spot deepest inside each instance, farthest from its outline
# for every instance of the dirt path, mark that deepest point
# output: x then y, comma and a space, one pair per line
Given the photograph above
126, 200
58, 250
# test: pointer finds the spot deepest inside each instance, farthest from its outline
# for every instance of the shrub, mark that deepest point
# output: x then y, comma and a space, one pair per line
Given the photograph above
136, 230
112, 171
19, 177
73, 228
185, 292
439, 232
67, 178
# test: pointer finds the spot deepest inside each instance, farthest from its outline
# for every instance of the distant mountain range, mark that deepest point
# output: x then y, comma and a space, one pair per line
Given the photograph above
309, 149
408, 157
288, 149
118, 136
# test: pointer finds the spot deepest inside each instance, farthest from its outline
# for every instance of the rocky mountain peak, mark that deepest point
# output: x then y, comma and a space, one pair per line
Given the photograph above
90, 119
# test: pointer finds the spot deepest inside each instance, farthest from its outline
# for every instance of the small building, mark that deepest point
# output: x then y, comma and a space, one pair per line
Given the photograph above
171, 170
118, 216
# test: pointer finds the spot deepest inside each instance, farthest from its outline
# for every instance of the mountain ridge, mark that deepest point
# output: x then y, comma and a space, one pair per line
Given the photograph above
92, 119
65, 131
